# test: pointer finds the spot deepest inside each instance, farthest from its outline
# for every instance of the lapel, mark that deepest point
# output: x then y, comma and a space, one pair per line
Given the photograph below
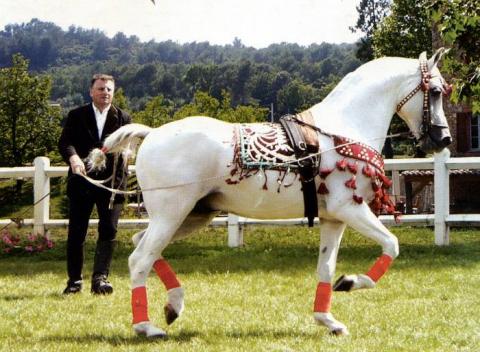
111, 123
91, 123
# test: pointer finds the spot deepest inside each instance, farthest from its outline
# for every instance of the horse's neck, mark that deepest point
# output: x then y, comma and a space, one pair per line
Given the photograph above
362, 105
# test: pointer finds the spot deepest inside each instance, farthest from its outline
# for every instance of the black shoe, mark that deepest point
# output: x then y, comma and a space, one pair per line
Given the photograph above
73, 287
101, 286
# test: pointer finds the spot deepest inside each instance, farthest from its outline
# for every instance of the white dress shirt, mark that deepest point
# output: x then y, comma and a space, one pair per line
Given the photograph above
100, 117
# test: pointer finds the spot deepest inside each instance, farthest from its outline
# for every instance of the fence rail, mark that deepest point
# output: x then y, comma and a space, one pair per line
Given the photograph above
441, 163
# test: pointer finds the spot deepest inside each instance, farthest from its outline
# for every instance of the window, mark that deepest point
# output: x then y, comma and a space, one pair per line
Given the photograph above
475, 129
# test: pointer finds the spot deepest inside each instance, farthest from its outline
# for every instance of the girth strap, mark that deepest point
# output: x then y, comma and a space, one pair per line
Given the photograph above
308, 167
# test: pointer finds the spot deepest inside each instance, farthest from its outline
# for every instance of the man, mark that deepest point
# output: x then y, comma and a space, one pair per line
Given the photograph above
86, 128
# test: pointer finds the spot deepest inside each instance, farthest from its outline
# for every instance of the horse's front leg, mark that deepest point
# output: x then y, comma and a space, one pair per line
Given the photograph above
330, 236
364, 221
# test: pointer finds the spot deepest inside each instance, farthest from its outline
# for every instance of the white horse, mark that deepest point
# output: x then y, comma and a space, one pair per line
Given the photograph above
185, 171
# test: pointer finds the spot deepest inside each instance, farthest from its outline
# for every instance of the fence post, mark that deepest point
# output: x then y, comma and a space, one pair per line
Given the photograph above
41, 187
441, 197
235, 231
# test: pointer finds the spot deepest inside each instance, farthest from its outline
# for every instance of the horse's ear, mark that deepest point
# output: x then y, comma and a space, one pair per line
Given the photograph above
433, 61
423, 56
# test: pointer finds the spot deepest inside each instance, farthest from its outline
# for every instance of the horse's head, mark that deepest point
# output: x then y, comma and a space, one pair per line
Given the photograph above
424, 113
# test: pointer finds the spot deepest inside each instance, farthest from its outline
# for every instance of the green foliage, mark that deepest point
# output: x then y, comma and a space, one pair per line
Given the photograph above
175, 71
206, 105
29, 125
120, 99
459, 24
406, 32
157, 112
370, 14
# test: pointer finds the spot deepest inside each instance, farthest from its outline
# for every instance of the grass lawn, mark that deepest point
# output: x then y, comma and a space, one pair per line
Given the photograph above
255, 298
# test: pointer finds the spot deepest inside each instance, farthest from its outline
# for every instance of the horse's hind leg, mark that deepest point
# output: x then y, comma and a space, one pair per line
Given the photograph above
364, 221
165, 221
175, 303
330, 236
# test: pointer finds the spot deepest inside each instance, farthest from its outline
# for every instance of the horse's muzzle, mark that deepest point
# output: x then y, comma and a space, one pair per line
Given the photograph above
437, 138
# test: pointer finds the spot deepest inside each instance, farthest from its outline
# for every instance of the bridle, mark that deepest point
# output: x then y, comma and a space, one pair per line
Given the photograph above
424, 85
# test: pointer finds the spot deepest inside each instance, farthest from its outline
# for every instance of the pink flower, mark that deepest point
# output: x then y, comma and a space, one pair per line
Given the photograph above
29, 248
7, 240
50, 244
32, 238
7, 250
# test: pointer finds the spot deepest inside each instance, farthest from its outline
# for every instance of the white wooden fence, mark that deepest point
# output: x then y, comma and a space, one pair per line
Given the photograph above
441, 163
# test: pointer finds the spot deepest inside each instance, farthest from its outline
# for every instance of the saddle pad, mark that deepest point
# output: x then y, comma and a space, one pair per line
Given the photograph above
266, 146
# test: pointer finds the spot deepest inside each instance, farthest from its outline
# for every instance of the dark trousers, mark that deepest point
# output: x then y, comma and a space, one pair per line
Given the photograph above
82, 198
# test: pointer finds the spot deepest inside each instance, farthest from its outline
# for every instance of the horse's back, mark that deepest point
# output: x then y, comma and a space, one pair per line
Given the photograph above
184, 151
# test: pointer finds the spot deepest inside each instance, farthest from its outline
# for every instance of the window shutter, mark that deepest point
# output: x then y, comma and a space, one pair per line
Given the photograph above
463, 131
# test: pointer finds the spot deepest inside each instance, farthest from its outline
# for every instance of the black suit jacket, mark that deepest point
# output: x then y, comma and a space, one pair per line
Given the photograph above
80, 136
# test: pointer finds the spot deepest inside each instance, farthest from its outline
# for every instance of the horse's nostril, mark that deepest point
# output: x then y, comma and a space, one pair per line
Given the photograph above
447, 141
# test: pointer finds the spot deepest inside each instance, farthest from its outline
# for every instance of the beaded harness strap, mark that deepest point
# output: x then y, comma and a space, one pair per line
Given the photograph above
424, 86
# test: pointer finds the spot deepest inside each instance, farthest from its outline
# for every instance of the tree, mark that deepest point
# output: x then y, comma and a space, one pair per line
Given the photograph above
206, 105
459, 24
120, 99
158, 111
29, 124
406, 32
370, 14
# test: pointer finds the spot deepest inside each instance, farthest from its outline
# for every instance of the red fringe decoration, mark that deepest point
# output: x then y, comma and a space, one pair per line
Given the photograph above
322, 189
368, 171
325, 172
357, 199
387, 183
342, 165
352, 167
351, 183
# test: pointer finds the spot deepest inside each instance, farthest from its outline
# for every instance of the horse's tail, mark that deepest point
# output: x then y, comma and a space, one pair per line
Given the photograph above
124, 140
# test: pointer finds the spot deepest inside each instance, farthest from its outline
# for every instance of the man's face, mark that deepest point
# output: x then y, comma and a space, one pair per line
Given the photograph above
102, 93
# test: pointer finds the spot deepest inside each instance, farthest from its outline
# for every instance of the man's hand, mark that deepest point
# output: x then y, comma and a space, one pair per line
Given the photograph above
77, 165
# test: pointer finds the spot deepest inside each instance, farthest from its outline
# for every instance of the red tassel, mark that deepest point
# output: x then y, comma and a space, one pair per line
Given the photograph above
387, 183
368, 171
351, 183
322, 189
325, 172
352, 167
357, 199
342, 165
375, 187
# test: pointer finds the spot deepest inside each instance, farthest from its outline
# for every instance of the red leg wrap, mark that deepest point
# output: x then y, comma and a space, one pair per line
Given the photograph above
380, 267
323, 298
166, 274
139, 304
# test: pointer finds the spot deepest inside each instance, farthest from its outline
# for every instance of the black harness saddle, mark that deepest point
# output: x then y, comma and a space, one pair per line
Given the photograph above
305, 144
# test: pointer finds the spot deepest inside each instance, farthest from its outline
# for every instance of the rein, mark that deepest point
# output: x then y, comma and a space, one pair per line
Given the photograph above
99, 183
426, 126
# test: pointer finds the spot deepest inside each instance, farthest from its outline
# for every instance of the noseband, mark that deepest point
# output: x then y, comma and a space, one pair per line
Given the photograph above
424, 85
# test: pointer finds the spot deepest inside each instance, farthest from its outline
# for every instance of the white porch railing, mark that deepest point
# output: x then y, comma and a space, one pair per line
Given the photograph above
41, 172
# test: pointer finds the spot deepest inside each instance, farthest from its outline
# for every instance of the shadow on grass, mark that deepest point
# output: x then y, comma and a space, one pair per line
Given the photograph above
121, 340
183, 336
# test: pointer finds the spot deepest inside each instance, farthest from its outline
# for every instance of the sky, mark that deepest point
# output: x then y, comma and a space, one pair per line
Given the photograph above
256, 23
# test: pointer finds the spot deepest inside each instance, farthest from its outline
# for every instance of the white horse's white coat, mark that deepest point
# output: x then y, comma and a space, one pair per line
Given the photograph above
194, 155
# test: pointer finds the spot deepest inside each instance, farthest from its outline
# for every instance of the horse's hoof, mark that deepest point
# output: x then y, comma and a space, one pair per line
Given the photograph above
344, 283
149, 330
170, 314
339, 332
